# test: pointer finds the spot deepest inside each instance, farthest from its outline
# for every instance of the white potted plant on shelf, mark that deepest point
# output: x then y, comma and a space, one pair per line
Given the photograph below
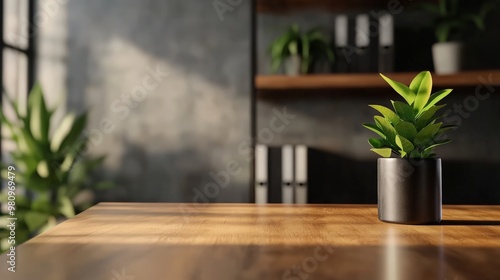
298, 51
451, 18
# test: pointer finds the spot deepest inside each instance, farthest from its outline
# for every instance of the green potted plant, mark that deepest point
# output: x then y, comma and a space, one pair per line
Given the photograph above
298, 51
50, 167
450, 20
409, 185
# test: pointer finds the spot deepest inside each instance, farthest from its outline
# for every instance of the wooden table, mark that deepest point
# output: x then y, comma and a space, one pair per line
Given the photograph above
126, 241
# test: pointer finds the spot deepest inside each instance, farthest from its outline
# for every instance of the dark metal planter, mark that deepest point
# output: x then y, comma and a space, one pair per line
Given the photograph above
409, 190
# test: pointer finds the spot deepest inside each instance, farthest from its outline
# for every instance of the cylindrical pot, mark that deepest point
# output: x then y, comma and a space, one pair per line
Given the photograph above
409, 190
447, 57
292, 65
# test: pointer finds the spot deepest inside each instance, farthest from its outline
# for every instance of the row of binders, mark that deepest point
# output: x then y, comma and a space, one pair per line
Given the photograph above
364, 43
281, 174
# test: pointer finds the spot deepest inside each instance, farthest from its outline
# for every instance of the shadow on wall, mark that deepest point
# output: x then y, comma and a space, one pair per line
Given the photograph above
191, 37
192, 122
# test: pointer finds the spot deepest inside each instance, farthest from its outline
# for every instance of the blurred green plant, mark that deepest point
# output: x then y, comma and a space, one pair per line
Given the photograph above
309, 46
50, 168
411, 130
451, 17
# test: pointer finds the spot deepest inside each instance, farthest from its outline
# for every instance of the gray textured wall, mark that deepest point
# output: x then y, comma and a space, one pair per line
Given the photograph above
470, 163
163, 133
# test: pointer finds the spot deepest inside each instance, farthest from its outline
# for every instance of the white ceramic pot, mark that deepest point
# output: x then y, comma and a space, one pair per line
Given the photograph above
448, 57
292, 65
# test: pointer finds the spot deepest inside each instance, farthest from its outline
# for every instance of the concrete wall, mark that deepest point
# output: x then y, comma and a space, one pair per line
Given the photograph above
167, 85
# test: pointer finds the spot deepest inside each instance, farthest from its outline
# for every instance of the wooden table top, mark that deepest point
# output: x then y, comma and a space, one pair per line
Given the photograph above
143, 241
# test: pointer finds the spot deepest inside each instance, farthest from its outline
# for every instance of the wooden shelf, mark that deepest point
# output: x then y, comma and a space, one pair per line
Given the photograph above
284, 6
370, 81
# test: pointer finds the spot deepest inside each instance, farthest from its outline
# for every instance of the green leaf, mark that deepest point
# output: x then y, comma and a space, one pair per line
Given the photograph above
375, 129
426, 135
42, 203
429, 112
35, 220
37, 183
293, 48
305, 54
401, 89
39, 115
279, 47
417, 81
422, 86
387, 113
376, 143
275, 64
51, 222
427, 154
445, 128
76, 131
43, 169
406, 129
294, 28
426, 116
443, 32
62, 132
404, 144
72, 154
25, 161
103, 185
404, 111
78, 174
476, 20
386, 128
415, 154
442, 7
437, 143
91, 164
436, 97
385, 152
66, 164
68, 132
66, 207
28, 145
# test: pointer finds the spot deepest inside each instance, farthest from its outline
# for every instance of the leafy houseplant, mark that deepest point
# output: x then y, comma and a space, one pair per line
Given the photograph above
50, 167
450, 21
409, 187
299, 50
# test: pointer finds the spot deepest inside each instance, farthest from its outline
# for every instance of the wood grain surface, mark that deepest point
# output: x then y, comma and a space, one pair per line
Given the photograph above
136, 241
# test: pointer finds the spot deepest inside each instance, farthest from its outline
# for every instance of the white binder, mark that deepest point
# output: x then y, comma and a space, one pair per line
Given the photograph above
301, 174
362, 39
362, 43
342, 50
341, 31
287, 174
386, 43
261, 179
